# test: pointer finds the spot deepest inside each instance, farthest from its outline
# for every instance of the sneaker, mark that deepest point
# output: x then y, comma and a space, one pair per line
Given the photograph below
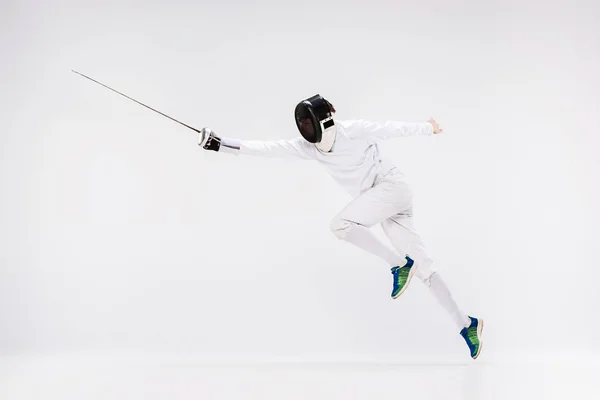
402, 277
472, 336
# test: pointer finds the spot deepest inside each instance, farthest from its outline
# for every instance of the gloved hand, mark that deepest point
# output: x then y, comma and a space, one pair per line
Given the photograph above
209, 140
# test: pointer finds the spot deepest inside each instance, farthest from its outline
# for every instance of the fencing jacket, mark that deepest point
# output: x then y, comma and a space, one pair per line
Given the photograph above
353, 162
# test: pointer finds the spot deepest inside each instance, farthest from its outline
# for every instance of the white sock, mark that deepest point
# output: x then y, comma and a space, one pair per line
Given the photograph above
365, 239
444, 297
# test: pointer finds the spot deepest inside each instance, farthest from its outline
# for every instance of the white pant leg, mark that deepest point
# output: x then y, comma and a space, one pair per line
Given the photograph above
391, 198
441, 292
372, 207
399, 229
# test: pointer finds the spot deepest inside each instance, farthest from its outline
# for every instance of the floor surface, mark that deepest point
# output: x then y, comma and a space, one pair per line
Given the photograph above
84, 378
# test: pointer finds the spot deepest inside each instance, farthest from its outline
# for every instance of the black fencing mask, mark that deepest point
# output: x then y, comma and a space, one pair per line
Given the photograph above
314, 119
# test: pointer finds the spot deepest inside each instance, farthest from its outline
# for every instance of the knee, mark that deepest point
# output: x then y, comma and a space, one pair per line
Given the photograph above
340, 227
427, 279
425, 271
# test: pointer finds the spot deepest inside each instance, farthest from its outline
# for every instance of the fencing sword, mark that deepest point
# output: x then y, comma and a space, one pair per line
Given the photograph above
116, 91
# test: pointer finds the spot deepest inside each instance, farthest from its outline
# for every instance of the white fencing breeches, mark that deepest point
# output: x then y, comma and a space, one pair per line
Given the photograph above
388, 203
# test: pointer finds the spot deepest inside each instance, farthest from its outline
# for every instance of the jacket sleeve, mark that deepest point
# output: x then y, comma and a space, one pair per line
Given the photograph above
387, 129
294, 148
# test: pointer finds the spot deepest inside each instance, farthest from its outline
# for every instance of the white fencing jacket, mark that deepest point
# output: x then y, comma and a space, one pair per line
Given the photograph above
353, 162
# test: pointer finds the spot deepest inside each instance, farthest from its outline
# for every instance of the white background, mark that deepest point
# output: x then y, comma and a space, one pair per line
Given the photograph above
121, 236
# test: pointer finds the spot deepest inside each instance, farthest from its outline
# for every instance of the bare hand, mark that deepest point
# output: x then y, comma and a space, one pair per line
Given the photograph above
436, 127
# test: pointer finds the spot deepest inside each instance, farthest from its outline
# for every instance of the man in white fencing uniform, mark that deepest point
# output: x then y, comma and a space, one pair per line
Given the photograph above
349, 152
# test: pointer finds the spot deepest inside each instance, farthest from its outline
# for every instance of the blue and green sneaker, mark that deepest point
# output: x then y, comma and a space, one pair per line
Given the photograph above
402, 277
472, 335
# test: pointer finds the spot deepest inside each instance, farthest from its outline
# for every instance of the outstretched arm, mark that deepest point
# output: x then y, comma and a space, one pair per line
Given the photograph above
390, 129
294, 148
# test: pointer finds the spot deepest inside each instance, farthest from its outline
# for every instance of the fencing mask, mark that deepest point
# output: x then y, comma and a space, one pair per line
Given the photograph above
314, 119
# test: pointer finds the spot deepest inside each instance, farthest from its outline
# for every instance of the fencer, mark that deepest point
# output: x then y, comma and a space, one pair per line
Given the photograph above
349, 152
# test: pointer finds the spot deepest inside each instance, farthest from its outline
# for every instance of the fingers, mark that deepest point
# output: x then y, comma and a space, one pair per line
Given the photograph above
436, 127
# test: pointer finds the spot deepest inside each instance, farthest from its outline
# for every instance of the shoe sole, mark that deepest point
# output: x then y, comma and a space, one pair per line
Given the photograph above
410, 275
479, 331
